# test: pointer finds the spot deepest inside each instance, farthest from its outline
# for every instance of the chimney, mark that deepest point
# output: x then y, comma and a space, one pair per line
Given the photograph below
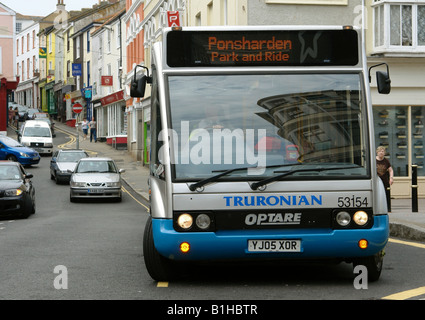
60, 5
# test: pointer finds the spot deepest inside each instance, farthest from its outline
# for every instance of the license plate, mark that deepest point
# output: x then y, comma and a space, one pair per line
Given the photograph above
36, 158
274, 245
96, 190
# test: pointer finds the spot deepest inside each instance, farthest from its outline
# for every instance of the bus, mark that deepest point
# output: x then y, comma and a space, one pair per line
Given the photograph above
262, 148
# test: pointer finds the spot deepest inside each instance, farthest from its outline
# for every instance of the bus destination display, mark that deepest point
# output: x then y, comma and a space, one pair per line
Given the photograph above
262, 48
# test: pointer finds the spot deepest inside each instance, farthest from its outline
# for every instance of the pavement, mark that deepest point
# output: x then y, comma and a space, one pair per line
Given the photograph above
404, 223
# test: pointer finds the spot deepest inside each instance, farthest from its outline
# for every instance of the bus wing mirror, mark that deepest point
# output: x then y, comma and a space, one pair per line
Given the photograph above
384, 82
382, 79
138, 86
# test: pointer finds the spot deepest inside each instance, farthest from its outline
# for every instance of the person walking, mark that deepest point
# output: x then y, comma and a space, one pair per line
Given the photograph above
85, 127
385, 171
92, 126
16, 115
11, 116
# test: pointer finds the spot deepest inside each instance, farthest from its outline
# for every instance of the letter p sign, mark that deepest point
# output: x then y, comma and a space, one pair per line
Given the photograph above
173, 18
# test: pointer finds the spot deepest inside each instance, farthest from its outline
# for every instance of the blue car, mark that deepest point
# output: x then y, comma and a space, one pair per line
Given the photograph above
11, 149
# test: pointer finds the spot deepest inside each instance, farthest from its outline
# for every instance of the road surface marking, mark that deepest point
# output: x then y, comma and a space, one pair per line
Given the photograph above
408, 243
406, 294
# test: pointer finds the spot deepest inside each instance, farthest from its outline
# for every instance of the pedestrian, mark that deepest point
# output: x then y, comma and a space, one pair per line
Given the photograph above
384, 169
17, 118
11, 115
92, 126
85, 126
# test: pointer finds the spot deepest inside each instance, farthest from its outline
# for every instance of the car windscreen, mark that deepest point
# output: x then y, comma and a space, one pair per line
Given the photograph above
71, 156
37, 132
9, 173
10, 142
96, 167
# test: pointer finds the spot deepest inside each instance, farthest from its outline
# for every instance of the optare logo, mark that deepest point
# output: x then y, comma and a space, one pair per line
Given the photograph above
262, 219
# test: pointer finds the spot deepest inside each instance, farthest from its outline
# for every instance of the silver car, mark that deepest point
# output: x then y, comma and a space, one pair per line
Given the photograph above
96, 178
63, 163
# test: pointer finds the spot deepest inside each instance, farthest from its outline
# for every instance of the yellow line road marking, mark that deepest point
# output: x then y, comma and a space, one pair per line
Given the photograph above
406, 294
126, 191
408, 243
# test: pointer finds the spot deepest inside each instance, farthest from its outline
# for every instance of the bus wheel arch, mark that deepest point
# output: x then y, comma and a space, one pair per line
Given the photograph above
159, 267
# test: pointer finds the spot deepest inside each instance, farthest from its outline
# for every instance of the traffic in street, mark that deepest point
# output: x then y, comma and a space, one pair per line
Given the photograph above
93, 250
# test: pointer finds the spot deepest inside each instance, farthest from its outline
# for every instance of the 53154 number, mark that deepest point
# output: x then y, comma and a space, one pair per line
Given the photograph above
357, 202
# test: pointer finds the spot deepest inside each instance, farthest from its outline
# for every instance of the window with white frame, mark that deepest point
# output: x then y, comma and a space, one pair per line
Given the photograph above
399, 26
77, 47
108, 37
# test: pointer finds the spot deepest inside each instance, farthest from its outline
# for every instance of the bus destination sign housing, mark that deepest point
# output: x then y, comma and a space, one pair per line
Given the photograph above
262, 48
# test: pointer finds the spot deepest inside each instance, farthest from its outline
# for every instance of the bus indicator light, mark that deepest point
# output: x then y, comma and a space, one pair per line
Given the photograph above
363, 244
184, 247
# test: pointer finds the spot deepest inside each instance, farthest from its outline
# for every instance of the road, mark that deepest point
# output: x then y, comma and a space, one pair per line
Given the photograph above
93, 250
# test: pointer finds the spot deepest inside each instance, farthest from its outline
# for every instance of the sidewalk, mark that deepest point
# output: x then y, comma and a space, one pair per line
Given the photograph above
403, 222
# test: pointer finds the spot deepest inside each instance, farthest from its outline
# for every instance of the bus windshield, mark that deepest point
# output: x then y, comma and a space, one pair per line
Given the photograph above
271, 122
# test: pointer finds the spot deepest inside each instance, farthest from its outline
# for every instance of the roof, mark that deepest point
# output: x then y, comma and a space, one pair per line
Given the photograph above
109, 20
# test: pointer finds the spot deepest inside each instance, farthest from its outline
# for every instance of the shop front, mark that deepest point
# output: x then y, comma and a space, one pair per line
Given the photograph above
399, 123
112, 120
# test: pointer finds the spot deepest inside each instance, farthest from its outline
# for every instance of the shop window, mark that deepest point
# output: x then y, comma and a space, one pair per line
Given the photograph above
417, 119
400, 130
391, 128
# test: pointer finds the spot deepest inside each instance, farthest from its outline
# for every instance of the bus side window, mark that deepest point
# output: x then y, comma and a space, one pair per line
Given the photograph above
156, 167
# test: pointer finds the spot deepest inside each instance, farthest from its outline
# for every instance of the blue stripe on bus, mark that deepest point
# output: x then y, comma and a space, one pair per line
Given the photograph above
233, 244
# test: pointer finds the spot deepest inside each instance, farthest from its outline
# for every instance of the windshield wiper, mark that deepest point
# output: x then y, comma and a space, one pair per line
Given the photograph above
203, 182
256, 185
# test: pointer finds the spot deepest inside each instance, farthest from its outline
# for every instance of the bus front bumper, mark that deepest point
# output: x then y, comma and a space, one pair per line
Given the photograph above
314, 243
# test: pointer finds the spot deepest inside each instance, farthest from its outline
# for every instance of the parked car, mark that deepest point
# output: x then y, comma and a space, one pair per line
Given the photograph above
31, 112
10, 149
96, 178
63, 163
17, 193
22, 111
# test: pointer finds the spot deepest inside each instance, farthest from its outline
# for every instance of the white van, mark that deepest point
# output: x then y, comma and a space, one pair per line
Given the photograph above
37, 135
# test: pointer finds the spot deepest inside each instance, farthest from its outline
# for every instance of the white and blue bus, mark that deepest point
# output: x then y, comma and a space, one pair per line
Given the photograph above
262, 147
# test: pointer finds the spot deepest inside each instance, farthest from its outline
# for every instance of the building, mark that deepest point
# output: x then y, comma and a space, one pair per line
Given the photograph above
134, 44
108, 92
9, 78
27, 61
144, 23
396, 36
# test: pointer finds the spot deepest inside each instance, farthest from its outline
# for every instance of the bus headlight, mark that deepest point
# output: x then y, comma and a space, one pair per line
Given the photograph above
360, 218
203, 221
343, 218
185, 221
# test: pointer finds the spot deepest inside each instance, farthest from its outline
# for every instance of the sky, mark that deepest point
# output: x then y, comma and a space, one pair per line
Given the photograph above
44, 7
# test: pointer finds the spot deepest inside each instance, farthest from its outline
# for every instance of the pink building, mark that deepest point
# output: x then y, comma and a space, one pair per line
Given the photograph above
8, 82
7, 44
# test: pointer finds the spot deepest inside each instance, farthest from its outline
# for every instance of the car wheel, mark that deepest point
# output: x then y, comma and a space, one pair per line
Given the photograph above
11, 157
72, 199
159, 268
33, 207
29, 207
